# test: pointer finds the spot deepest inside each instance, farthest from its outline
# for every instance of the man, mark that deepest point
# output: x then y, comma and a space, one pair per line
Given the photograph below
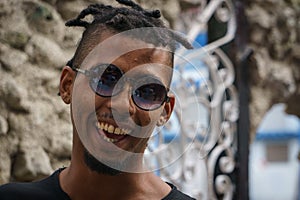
117, 87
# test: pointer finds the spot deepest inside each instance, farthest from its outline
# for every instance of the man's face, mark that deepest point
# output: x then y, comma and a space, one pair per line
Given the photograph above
115, 128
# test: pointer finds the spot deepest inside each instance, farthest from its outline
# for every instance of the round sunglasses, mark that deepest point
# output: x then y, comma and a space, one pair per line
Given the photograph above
107, 80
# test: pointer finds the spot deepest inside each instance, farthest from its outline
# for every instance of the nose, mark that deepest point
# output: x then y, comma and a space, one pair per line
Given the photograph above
122, 103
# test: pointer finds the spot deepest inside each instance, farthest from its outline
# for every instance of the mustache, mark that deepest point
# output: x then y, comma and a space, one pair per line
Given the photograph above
117, 117
105, 115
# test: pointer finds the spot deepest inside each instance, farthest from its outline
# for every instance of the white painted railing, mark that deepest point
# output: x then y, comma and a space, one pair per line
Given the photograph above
196, 150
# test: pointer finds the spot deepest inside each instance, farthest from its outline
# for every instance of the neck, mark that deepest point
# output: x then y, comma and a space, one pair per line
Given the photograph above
81, 183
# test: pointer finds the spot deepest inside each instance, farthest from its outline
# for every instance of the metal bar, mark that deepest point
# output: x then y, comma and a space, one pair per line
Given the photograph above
242, 61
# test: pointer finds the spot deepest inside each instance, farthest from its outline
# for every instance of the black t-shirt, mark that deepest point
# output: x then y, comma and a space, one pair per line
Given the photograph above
49, 189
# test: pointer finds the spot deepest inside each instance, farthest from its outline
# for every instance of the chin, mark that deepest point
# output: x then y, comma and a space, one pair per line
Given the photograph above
132, 163
99, 167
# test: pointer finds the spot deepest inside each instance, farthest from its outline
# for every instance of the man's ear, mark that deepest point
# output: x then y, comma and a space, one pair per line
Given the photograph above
168, 109
66, 84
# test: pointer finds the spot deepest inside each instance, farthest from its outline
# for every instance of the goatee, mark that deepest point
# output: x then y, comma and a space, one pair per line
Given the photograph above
99, 167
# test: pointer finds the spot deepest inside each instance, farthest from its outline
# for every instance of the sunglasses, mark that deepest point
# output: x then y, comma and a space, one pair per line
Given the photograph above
107, 80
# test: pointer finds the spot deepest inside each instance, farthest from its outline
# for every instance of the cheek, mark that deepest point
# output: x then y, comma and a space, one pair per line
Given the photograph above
83, 100
83, 103
140, 145
148, 121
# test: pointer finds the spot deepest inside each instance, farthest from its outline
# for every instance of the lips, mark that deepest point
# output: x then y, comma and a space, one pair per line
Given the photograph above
110, 133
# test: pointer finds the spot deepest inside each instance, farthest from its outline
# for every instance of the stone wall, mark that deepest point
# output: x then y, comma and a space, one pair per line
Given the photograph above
275, 65
35, 135
35, 131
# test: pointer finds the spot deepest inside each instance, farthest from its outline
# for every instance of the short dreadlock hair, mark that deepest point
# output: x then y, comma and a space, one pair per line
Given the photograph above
119, 19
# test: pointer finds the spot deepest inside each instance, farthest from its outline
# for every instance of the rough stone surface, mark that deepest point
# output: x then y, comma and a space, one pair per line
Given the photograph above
38, 50
14, 94
31, 163
274, 69
5, 167
3, 126
35, 130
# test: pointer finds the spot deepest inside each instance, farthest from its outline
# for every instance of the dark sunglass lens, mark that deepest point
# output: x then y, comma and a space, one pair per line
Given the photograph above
104, 84
150, 96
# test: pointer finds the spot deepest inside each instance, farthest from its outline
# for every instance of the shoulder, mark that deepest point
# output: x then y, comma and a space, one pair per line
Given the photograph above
175, 194
12, 191
45, 189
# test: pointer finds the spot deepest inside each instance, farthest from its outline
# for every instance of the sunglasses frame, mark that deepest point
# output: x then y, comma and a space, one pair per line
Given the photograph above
88, 73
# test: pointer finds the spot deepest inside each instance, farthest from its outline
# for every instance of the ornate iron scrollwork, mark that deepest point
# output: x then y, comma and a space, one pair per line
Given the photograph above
196, 150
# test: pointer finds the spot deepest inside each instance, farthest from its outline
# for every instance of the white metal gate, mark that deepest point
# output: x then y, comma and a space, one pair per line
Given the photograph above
196, 150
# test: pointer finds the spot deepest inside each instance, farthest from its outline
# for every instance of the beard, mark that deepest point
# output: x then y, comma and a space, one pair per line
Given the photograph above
99, 167
130, 164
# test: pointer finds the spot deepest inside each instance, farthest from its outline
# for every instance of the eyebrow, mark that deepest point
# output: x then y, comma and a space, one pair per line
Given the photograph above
142, 75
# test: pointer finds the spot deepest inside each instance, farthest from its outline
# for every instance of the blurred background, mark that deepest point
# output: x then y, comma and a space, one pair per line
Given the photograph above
236, 131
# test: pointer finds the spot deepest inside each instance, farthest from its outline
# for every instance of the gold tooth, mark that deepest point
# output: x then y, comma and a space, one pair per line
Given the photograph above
122, 132
110, 129
117, 131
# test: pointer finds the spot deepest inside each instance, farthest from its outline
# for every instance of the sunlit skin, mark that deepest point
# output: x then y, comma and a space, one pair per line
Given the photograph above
80, 182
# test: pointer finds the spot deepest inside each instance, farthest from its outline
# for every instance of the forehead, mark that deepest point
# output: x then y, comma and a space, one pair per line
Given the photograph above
144, 59
132, 56
120, 47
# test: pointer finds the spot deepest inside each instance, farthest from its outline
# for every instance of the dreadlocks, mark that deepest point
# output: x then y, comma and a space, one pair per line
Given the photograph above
119, 19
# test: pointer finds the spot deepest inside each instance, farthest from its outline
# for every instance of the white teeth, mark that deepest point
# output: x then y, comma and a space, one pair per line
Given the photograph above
98, 125
109, 139
105, 127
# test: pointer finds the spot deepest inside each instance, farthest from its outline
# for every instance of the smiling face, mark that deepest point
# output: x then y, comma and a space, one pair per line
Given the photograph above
115, 128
